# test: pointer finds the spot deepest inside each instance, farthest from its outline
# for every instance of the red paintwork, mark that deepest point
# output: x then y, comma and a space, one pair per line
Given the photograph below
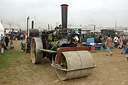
62, 49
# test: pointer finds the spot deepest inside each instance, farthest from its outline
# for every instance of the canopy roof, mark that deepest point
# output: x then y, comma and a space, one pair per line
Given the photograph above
1, 28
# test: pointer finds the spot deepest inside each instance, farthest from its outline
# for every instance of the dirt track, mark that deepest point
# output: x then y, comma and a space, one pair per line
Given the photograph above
110, 70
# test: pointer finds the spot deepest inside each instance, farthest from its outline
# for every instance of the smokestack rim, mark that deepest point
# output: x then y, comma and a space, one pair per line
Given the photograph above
64, 5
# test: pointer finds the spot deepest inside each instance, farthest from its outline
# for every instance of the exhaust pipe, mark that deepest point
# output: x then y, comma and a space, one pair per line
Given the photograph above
32, 24
27, 25
64, 8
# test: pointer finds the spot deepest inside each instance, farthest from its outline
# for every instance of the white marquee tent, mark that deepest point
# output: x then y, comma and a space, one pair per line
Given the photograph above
1, 29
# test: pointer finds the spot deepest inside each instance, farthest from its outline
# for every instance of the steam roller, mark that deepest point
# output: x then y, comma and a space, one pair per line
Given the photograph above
63, 48
32, 33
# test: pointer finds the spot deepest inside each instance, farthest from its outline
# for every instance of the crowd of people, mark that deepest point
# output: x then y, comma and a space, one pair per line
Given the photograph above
6, 39
120, 42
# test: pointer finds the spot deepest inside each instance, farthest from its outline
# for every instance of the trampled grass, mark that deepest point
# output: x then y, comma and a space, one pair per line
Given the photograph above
16, 68
8, 57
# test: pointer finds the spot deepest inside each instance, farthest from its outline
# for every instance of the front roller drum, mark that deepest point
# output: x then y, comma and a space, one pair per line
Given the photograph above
36, 55
79, 64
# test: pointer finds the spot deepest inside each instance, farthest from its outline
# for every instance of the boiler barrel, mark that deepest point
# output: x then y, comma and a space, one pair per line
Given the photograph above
33, 32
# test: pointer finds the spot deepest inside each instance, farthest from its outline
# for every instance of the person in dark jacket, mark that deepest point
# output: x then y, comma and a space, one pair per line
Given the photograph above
124, 46
126, 49
6, 41
21, 39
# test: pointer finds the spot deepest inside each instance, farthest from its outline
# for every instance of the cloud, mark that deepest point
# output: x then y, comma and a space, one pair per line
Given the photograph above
84, 12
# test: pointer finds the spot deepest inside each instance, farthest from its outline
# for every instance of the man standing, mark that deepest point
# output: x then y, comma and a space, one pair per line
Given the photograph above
124, 45
6, 41
21, 39
2, 43
2, 39
115, 41
108, 45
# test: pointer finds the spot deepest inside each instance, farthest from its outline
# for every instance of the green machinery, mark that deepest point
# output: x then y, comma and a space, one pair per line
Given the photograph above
106, 32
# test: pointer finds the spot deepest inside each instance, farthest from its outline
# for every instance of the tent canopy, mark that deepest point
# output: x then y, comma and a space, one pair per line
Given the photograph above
1, 29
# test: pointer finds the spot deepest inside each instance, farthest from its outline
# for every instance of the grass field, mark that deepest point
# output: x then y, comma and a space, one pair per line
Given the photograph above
16, 68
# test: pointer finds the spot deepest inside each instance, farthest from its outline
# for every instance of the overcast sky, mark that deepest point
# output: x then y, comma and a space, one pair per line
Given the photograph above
102, 13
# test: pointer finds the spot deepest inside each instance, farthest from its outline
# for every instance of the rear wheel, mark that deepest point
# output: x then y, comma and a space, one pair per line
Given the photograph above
36, 55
